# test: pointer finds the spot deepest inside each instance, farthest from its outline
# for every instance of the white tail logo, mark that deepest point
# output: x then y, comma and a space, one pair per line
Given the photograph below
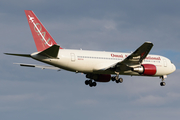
38, 30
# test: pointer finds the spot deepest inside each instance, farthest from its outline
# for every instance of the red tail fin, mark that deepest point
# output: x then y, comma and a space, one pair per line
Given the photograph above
42, 38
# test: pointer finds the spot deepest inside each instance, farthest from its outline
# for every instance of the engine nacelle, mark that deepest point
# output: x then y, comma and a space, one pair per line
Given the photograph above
99, 77
146, 69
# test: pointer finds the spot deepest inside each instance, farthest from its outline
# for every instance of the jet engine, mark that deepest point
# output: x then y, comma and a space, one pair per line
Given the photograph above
146, 69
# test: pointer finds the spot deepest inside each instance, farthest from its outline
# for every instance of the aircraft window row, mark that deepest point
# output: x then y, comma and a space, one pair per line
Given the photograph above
152, 61
98, 58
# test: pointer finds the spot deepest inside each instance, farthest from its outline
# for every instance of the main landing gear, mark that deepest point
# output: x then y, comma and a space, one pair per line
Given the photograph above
116, 78
163, 78
90, 83
93, 78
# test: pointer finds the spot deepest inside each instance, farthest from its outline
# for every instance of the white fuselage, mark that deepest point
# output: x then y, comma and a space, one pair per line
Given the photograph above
95, 62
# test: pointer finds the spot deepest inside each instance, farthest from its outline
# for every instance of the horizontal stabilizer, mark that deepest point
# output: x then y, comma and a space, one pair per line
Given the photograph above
22, 55
51, 52
38, 66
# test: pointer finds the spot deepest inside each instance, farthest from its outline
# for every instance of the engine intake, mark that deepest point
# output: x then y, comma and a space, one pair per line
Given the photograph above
146, 69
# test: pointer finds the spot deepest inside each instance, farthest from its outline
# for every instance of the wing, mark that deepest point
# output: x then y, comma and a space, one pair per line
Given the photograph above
134, 59
138, 56
38, 66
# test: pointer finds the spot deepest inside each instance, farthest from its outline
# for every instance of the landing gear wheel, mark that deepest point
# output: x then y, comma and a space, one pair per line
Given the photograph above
117, 81
90, 85
120, 80
93, 84
113, 78
90, 82
87, 82
162, 83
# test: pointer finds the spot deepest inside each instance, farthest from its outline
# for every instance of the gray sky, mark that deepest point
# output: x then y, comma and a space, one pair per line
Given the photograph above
105, 25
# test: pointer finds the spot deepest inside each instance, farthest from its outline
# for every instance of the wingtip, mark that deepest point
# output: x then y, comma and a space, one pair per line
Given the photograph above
148, 42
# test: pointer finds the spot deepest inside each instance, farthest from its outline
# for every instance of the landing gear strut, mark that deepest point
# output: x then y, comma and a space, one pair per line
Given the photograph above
163, 78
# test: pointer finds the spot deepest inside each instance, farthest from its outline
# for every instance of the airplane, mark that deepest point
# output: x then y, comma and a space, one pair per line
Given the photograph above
96, 65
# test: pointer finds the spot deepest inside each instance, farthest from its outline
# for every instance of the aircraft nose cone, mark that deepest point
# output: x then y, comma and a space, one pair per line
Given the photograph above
173, 67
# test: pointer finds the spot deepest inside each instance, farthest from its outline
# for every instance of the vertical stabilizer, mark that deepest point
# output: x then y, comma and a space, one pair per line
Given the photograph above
42, 38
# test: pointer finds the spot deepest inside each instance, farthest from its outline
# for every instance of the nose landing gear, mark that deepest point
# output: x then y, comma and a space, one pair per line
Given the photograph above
163, 78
